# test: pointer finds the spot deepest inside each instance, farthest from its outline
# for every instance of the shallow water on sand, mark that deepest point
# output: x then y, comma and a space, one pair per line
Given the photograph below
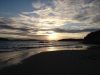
20, 45
14, 52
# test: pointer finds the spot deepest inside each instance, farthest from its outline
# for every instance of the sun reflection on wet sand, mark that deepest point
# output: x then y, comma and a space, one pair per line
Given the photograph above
57, 48
51, 49
15, 57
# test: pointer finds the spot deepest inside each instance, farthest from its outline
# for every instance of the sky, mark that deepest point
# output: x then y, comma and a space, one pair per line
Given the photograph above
49, 19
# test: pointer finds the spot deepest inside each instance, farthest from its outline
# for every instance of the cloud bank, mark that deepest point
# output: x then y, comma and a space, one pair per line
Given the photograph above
53, 15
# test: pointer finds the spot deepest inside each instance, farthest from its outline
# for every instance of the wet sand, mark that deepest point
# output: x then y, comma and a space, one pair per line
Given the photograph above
70, 62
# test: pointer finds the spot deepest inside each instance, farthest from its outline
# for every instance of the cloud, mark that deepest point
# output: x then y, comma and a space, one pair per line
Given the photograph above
6, 27
60, 12
81, 17
23, 17
96, 19
8, 24
20, 34
65, 30
76, 7
13, 27
43, 12
38, 4
54, 15
82, 11
96, 2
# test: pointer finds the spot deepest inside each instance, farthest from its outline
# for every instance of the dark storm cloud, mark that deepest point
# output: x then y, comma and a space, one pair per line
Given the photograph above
22, 34
11, 24
10, 27
62, 30
32, 36
5, 26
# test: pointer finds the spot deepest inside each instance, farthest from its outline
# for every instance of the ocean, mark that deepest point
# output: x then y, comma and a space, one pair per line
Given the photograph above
20, 45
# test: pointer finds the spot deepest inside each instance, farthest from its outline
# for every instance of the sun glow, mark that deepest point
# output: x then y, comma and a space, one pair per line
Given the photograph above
52, 36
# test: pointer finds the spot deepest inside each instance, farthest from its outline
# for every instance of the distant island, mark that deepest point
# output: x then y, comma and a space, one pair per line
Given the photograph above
71, 40
24, 40
7, 39
15, 39
3, 39
93, 38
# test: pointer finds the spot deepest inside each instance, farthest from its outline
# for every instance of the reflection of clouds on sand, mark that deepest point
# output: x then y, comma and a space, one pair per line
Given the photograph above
15, 57
9, 58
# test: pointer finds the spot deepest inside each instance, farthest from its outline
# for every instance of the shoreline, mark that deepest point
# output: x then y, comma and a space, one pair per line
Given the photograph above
68, 62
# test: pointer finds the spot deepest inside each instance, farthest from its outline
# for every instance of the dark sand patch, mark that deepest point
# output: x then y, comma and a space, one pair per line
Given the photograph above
58, 63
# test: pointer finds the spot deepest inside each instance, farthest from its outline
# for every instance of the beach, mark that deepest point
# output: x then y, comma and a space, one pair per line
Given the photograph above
49, 37
64, 62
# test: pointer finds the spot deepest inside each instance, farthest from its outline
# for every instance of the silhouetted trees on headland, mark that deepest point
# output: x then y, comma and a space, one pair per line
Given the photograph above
93, 38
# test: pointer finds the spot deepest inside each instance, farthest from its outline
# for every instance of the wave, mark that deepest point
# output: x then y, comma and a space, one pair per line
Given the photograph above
17, 45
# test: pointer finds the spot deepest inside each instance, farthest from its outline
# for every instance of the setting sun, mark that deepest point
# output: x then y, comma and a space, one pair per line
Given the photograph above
52, 36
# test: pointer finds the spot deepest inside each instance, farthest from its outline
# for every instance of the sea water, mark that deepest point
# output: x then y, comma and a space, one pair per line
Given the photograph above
13, 52
19, 45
